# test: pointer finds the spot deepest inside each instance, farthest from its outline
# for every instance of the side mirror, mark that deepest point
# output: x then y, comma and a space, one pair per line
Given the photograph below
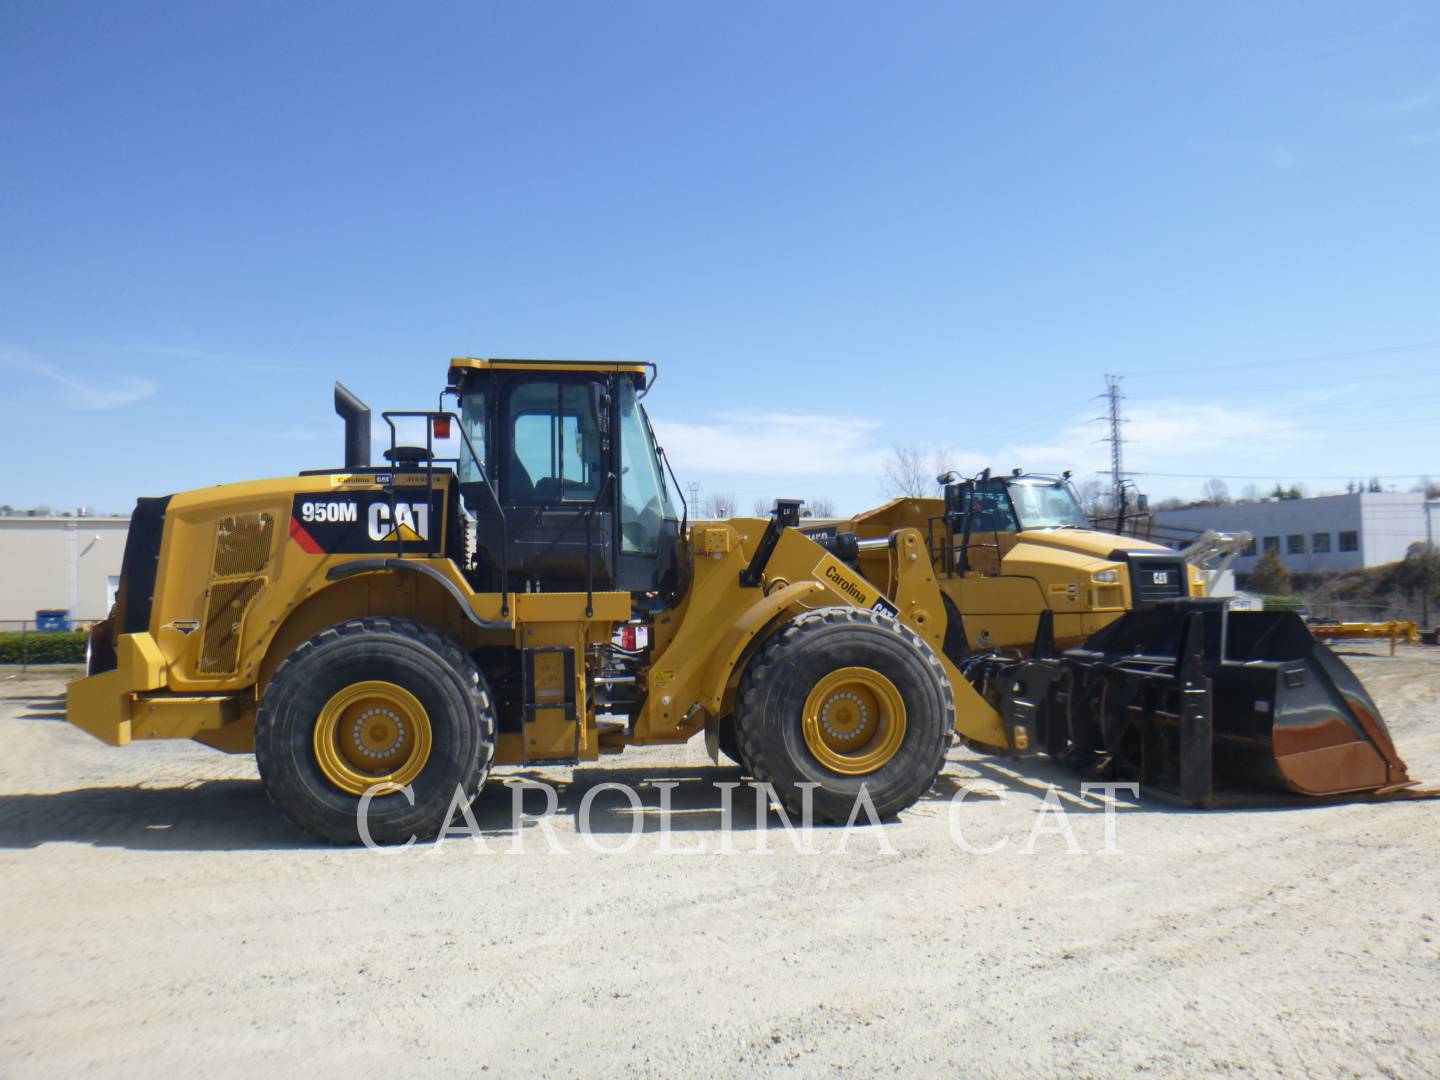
955, 497
946, 478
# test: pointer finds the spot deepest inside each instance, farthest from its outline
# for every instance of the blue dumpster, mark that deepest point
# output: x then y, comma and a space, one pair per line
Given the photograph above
52, 621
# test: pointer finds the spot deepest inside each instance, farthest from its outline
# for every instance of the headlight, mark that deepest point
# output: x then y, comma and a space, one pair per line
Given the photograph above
1107, 577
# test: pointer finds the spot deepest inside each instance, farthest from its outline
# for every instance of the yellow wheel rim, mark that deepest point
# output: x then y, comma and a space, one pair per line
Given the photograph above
854, 721
372, 733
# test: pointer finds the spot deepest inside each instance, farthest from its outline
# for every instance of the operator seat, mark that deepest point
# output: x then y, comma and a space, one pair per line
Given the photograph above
517, 479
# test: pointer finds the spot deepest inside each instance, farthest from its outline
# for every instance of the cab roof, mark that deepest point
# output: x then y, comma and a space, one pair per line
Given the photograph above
642, 370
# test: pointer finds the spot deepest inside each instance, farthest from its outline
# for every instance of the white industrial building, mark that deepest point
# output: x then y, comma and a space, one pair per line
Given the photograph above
1319, 535
59, 563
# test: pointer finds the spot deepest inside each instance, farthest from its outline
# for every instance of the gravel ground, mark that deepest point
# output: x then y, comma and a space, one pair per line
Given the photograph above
161, 917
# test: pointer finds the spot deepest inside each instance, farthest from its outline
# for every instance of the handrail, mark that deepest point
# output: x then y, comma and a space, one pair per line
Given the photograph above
589, 544
430, 416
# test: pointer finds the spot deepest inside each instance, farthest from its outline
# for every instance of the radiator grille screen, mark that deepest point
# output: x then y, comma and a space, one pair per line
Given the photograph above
225, 610
242, 544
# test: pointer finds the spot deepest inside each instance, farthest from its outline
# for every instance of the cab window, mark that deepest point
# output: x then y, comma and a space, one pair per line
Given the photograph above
472, 422
1047, 506
644, 502
555, 446
991, 511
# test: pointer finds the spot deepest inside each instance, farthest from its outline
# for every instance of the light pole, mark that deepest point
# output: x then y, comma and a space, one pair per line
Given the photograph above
1429, 561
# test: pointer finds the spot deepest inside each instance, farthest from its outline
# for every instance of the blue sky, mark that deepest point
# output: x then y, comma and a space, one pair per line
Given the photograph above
835, 227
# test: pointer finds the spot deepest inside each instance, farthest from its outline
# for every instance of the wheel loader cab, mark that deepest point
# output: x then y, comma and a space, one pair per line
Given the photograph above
569, 490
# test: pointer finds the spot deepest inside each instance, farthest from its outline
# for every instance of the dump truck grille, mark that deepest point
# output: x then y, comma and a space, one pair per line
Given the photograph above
1152, 580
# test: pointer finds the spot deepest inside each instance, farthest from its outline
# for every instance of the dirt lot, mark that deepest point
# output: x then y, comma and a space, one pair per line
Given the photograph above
160, 916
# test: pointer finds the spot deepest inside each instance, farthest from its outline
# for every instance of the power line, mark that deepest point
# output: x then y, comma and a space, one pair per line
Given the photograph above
1324, 358
1279, 476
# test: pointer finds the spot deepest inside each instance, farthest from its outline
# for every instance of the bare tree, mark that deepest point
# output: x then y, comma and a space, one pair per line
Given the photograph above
1250, 493
941, 464
906, 472
1094, 498
821, 507
761, 507
1216, 492
719, 505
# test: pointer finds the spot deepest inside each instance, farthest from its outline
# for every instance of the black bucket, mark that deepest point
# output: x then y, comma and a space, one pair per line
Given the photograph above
1191, 698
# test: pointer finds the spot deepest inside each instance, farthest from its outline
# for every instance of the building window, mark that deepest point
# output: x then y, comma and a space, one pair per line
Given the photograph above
1249, 548
1320, 543
1349, 541
1295, 543
1272, 543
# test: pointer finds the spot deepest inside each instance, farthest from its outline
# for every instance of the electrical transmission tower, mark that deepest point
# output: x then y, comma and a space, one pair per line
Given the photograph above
1116, 439
693, 490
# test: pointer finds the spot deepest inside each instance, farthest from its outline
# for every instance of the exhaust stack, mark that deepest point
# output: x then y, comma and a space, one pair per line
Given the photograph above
356, 415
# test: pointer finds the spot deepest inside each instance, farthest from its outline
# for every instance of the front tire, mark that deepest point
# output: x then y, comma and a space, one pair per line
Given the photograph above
847, 700
729, 741
374, 701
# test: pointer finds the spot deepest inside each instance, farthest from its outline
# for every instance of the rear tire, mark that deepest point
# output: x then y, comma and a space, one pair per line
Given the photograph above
432, 714
781, 684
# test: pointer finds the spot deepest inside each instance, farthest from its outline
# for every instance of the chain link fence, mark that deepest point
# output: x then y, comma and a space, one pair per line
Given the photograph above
25, 644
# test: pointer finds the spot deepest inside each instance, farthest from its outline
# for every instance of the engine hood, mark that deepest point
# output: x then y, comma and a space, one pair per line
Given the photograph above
1098, 545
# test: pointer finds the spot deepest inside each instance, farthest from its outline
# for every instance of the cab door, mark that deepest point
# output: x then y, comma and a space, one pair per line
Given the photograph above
552, 457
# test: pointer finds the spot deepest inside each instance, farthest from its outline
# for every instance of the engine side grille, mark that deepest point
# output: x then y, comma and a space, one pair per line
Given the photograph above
242, 552
225, 609
242, 544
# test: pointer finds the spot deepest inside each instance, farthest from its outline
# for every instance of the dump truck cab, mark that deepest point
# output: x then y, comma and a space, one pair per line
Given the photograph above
1009, 547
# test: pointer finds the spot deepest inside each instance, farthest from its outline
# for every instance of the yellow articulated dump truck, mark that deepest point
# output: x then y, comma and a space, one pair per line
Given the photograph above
380, 636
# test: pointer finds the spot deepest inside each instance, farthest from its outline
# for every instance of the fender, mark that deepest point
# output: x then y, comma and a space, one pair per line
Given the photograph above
733, 645
370, 566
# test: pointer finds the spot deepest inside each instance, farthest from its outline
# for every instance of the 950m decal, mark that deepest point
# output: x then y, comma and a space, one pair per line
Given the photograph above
356, 522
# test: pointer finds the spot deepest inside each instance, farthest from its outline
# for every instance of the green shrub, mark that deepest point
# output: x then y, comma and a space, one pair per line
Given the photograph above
1283, 603
43, 648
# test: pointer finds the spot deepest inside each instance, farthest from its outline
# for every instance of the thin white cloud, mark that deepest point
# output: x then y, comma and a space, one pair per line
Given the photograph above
1159, 436
206, 356
1404, 106
774, 444
1421, 138
82, 391
1282, 156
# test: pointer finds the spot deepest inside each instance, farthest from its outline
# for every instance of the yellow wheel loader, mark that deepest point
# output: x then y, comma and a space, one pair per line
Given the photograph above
382, 636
